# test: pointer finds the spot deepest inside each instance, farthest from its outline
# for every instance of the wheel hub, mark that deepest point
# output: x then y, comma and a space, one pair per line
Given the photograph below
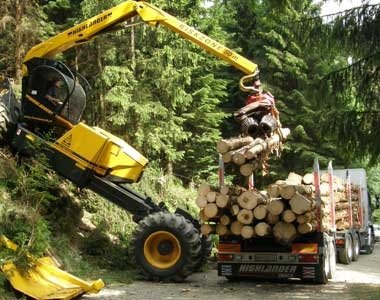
165, 247
162, 249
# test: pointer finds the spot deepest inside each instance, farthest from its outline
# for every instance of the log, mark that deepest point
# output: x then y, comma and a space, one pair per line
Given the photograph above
248, 168
222, 200
206, 229
305, 228
236, 227
275, 207
247, 232
201, 201
268, 144
211, 196
262, 229
324, 189
284, 232
248, 200
202, 216
227, 157
210, 210
260, 212
274, 190
245, 216
221, 229
238, 158
308, 178
300, 204
294, 178
224, 145
287, 191
250, 153
234, 209
288, 216
272, 219
203, 189
224, 190
225, 220
325, 177
305, 218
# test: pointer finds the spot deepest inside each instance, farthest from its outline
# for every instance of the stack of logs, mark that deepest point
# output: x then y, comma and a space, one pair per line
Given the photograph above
285, 210
249, 153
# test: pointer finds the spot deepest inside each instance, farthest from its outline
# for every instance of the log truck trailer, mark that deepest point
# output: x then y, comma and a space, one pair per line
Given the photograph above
310, 257
167, 246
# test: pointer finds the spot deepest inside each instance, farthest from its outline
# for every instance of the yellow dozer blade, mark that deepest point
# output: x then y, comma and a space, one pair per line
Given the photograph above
45, 280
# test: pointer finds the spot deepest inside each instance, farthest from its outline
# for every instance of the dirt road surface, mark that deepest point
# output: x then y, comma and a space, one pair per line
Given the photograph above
349, 283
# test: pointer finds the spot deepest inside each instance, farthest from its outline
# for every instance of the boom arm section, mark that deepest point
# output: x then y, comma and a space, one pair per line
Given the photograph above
110, 19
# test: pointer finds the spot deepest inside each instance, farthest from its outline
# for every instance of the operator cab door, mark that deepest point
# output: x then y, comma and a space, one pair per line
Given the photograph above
39, 110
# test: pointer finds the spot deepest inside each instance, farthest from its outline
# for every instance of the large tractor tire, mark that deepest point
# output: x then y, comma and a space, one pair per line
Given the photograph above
4, 123
206, 248
166, 247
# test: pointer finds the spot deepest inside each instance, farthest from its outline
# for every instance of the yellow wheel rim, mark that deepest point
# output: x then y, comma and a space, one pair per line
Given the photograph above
162, 250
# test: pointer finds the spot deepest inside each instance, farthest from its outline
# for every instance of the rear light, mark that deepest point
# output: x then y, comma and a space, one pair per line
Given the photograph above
308, 258
225, 257
299, 248
229, 248
340, 242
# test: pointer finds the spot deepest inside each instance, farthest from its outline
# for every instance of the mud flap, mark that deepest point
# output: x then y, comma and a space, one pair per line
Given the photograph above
45, 280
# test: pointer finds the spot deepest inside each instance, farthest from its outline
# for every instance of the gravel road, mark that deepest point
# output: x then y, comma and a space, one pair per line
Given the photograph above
208, 286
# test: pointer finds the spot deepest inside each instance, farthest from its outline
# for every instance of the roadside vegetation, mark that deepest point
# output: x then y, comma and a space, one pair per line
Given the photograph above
45, 214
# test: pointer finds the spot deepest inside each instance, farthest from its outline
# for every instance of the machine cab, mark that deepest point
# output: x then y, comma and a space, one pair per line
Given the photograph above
53, 95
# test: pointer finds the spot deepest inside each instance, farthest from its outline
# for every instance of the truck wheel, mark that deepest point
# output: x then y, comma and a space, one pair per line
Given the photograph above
206, 248
355, 248
166, 247
332, 260
4, 123
323, 270
369, 248
345, 255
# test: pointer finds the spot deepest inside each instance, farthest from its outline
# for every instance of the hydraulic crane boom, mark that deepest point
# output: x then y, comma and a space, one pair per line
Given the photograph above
110, 19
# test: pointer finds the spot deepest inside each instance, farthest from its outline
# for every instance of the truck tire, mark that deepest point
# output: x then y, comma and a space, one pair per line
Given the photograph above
166, 247
4, 123
368, 249
332, 260
355, 247
345, 255
323, 270
206, 248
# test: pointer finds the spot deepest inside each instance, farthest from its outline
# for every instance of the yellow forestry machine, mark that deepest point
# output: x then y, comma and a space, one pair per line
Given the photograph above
167, 246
